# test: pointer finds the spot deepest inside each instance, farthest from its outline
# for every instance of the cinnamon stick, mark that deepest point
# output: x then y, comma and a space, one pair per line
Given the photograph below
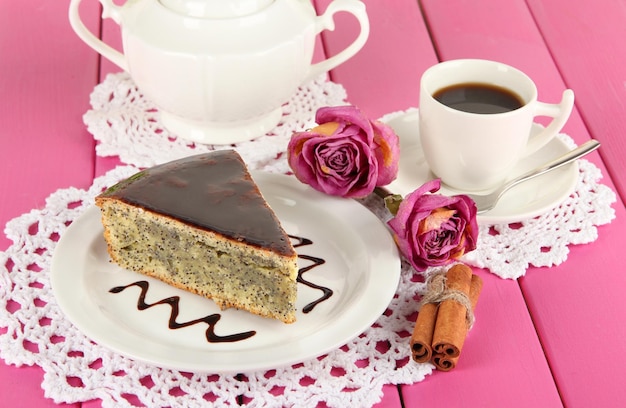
443, 361
422, 337
451, 327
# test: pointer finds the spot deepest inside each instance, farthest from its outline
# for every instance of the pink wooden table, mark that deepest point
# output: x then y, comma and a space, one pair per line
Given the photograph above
553, 338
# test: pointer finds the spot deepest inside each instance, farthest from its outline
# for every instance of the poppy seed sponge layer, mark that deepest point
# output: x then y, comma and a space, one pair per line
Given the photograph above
202, 225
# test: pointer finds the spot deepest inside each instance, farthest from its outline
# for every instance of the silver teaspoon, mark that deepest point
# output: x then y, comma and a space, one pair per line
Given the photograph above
486, 202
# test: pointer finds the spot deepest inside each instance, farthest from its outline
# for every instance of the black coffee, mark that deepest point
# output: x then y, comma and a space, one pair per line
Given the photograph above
479, 98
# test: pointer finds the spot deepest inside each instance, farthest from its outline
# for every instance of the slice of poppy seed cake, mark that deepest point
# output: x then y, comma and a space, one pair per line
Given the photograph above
201, 224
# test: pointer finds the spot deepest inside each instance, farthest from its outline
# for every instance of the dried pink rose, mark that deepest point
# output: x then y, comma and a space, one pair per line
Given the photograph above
346, 154
433, 229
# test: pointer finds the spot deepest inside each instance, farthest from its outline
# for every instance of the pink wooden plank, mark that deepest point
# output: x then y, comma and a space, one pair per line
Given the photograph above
43, 82
501, 364
44, 77
384, 77
579, 311
390, 398
566, 324
598, 75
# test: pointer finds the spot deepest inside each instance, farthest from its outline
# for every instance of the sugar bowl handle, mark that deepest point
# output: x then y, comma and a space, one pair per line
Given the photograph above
326, 22
109, 10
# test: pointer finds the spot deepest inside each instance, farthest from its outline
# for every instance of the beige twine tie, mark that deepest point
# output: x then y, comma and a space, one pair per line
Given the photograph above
437, 292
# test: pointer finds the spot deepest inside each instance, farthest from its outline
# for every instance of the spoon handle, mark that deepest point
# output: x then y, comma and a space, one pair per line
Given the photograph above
568, 157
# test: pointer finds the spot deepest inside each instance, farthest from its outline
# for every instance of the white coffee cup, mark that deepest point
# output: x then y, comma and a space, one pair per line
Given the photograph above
472, 151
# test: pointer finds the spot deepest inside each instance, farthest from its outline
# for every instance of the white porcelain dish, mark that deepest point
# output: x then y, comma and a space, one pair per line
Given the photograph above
362, 268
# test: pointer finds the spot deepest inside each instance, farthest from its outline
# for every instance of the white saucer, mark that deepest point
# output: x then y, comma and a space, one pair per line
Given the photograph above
527, 200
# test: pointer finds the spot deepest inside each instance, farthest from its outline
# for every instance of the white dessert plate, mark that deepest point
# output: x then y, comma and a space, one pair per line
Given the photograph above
362, 268
522, 202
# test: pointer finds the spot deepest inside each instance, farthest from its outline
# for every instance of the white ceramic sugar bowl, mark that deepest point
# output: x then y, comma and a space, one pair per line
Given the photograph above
219, 70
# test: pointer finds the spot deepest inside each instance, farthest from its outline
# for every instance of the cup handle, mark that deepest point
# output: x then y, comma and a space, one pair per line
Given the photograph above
326, 22
559, 112
109, 10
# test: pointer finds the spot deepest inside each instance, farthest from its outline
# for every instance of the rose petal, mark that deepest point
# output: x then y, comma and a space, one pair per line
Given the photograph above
325, 129
387, 149
437, 219
348, 115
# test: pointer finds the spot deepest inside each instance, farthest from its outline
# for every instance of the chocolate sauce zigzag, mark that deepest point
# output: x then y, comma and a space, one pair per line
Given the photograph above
173, 302
326, 292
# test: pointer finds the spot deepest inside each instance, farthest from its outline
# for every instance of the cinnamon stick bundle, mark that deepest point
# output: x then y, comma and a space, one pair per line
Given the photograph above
442, 323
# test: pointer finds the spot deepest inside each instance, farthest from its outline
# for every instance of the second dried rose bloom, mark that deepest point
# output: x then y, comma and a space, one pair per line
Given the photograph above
433, 229
346, 155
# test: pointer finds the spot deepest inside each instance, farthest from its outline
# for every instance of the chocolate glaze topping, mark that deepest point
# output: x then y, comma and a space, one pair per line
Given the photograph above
211, 191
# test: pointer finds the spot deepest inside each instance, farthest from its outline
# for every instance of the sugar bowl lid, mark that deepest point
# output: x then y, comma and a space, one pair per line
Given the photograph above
216, 8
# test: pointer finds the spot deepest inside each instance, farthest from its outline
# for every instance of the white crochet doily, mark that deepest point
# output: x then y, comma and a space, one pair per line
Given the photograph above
33, 330
126, 124
508, 250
